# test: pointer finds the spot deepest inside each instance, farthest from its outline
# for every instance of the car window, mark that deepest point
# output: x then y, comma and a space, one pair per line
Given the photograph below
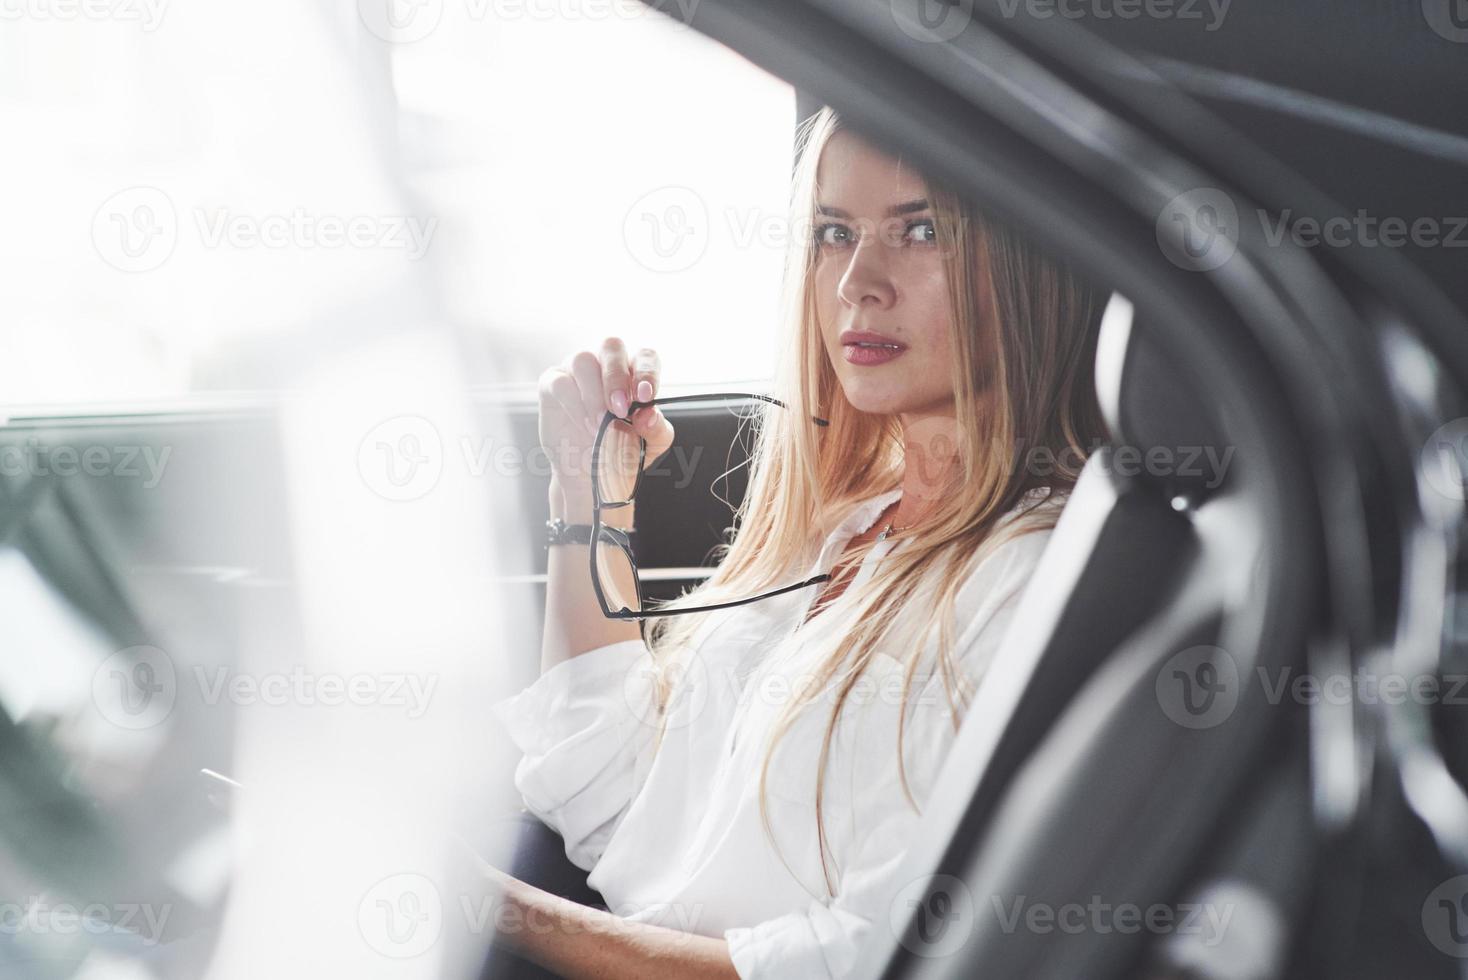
649, 205
535, 178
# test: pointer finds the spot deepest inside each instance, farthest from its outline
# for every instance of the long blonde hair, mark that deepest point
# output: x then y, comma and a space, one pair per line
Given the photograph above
1024, 390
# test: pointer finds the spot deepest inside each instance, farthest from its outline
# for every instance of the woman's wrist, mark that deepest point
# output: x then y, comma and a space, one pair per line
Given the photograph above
570, 939
572, 502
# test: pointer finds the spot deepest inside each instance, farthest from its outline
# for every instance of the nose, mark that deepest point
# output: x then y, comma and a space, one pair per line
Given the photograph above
867, 280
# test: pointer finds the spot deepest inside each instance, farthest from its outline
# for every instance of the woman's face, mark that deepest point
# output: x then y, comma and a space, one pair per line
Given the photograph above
881, 290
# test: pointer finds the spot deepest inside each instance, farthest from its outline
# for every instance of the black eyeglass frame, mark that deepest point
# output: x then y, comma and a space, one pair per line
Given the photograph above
616, 536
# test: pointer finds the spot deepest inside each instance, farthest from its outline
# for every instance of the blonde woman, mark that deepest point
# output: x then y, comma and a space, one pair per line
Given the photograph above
743, 785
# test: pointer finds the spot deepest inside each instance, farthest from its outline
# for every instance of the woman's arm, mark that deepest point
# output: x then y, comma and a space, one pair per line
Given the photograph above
573, 398
573, 619
580, 942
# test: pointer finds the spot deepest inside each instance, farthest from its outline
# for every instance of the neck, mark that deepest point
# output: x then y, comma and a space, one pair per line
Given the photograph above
931, 460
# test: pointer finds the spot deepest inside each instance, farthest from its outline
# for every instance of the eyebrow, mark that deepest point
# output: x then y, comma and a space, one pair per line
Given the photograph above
906, 208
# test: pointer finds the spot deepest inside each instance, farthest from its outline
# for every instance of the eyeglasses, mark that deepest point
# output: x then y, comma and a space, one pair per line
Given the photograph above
618, 463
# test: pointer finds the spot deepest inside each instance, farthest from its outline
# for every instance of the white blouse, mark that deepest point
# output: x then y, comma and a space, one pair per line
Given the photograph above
676, 838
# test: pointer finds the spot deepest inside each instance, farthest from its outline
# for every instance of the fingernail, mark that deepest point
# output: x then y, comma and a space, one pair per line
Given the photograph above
644, 391
619, 402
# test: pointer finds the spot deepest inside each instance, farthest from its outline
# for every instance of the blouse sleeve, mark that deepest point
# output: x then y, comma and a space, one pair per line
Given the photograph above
826, 938
586, 728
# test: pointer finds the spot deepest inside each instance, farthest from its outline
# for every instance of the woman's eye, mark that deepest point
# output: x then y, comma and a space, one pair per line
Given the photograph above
922, 232
832, 234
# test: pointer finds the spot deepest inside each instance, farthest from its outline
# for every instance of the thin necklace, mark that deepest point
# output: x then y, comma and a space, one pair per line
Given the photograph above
889, 529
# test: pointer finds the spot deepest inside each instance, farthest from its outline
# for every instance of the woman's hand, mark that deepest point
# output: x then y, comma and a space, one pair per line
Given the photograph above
573, 399
575, 941
582, 943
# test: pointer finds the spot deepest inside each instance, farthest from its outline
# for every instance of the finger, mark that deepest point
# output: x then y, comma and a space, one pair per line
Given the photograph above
646, 366
586, 368
616, 375
645, 370
559, 390
656, 428
646, 420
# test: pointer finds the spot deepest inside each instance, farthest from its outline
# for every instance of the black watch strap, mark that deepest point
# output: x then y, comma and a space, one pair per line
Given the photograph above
559, 532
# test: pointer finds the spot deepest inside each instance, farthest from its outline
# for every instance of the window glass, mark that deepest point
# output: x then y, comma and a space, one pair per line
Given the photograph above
536, 175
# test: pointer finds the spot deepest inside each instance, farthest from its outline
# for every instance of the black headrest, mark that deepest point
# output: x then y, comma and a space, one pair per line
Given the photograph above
1163, 434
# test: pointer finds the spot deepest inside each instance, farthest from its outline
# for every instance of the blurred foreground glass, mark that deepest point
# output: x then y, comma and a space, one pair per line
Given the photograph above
618, 464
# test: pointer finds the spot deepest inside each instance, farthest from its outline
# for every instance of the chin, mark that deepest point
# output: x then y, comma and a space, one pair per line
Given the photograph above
877, 400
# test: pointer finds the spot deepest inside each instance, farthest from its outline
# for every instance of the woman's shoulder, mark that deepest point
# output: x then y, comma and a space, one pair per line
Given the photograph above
1041, 503
998, 574
1002, 566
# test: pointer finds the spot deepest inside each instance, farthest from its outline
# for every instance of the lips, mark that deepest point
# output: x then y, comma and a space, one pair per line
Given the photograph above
869, 347
870, 339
